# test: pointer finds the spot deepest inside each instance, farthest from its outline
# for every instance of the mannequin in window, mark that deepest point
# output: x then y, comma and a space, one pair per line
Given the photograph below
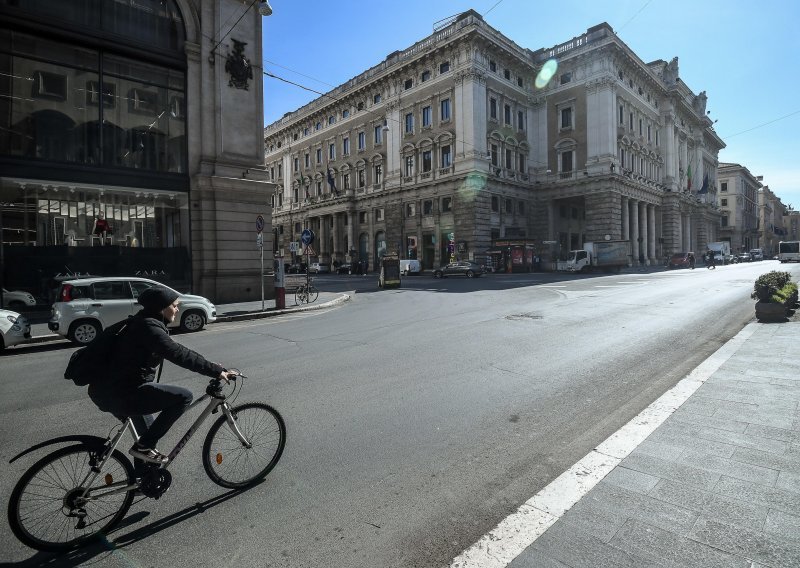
101, 228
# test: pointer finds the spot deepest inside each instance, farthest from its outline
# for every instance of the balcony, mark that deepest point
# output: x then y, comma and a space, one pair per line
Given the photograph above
446, 171
425, 175
566, 175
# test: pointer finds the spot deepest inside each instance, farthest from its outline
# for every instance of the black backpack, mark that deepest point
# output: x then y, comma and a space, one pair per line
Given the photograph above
93, 362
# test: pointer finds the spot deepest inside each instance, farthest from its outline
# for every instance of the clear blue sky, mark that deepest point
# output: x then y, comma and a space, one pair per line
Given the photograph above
745, 54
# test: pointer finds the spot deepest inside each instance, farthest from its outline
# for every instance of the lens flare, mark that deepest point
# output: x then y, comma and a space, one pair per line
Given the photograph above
548, 70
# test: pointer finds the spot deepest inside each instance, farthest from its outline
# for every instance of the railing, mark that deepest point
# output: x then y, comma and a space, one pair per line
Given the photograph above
445, 171
425, 175
408, 179
566, 175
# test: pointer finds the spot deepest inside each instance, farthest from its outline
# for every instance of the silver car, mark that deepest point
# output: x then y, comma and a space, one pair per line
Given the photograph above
84, 307
14, 329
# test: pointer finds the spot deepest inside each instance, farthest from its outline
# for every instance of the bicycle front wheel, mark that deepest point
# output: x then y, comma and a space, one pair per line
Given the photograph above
232, 464
47, 510
301, 296
312, 294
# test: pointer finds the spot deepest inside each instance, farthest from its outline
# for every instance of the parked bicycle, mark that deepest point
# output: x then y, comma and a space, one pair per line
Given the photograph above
80, 492
306, 293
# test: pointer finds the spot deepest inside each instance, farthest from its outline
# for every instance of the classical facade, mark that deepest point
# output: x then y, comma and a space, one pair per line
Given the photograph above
130, 143
738, 203
459, 147
772, 215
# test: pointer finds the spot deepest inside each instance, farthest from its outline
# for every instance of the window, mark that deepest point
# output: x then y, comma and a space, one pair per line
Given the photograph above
376, 99
656, 137
360, 105
409, 123
724, 220
521, 207
411, 210
509, 158
362, 141
566, 118
566, 161
519, 81
495, 204
426, 75
630, 121
317, 126
378, 170
493, 108
446, 160
507, 74
280, 171
444, 67
426, 116
509, 206
447, 204
362, 217
724, 186
445, 110
111, 291
621, 114
492, 66
305, 131
520, 120
409, 165
307, 160
296, 164
331, 151
331, 119
409, 83
379, 214
378, 135
641, 131
507, 114
346, 181
427, 207
346, 146
494, 155
565, 78
319, 188
272, 173
426, 161
319, 155
522, 163
362, 181
723, 202
345, 113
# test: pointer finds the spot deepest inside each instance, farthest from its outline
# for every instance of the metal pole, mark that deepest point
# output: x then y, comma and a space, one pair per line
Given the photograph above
262, 276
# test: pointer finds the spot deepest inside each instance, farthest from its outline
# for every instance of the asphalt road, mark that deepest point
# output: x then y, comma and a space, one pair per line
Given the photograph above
417, 418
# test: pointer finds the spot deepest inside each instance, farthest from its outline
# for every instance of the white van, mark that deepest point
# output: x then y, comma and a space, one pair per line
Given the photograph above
410, 267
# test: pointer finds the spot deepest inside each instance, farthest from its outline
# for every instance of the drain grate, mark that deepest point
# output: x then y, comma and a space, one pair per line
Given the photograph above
528, 316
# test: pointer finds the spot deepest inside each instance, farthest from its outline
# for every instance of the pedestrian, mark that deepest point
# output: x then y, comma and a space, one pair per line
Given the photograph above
691, 260
132, 389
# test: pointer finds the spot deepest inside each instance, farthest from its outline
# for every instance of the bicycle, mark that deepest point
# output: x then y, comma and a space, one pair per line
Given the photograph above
305, 294
78, 493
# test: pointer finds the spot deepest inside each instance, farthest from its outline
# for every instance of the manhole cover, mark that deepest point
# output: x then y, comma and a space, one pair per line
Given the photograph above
524, 317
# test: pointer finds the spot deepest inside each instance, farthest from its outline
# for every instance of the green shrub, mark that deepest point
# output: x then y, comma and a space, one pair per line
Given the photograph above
767, 285
786, 295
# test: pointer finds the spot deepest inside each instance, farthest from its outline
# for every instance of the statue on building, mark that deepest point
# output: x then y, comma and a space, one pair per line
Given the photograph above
671, 72
700, 103
238, 66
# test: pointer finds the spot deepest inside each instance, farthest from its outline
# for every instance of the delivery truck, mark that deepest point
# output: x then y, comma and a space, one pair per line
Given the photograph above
600, 255
722, 251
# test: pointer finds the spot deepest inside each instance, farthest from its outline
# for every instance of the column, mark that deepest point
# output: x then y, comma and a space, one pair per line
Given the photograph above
645, 230
337, 238
626, 227
634, 231
351, 221
651, 242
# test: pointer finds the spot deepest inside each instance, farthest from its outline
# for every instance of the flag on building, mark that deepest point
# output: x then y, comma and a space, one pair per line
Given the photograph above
689, 178
704, 189
332, 183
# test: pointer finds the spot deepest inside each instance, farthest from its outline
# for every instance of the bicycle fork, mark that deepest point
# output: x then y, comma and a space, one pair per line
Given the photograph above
226, 409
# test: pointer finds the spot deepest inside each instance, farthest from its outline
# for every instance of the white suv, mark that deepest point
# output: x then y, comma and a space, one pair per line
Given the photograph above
86, 306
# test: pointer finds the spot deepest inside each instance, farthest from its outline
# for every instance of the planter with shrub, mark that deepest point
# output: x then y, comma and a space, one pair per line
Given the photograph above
776, 295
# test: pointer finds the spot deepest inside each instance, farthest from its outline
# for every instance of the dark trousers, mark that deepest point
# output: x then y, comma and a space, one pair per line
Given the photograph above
141, 403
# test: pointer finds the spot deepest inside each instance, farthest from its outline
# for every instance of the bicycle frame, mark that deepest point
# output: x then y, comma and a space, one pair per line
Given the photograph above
112, 488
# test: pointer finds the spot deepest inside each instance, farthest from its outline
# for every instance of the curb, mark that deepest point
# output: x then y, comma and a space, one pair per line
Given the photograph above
222, 319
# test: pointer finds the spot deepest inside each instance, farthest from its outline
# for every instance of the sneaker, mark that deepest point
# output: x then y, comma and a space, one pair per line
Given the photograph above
150, 455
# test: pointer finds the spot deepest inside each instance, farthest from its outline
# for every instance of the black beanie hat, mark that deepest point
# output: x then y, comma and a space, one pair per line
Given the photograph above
155, 299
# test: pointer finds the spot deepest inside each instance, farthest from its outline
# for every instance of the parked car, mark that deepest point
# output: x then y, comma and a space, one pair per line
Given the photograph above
679, 260
17, 299
344, 268
83, 308
757, 254
410, 267
744, 257
14, 329
296, 268
319, 268
461, 268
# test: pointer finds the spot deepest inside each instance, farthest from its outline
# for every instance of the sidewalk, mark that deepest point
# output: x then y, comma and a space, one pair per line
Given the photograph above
228, 312
707, 476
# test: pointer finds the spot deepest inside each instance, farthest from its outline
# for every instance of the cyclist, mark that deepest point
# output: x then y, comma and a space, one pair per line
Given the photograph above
711, 260
131, 390
691, 260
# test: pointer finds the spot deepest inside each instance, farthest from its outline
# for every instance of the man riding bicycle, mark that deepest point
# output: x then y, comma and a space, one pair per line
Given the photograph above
711, 261
137, 355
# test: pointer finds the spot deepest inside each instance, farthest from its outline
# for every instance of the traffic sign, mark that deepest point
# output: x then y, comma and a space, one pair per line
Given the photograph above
294, 246
307, 237
259, 224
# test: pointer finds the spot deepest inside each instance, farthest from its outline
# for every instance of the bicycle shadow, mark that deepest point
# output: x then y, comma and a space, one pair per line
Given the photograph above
108, 546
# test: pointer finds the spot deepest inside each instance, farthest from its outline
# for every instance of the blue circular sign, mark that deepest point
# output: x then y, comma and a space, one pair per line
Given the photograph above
259, 224
307, 237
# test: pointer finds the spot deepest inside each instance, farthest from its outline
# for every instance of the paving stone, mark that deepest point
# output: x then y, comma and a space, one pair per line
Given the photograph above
532, 557
720, 449
749, 392
670, 470
631, 480
788, 482
773, 433
692, 417
739, 470
699, 405
598, 522
787, 462
680, 494
669, 549
769, 549
661, 448
560, 542
771, 497
744, 440
783, 524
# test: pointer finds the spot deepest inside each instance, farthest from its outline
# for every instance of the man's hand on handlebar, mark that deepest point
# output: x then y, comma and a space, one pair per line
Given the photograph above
228, 376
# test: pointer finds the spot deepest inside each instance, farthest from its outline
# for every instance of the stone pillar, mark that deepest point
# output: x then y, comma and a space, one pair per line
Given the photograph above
337, 238
626, 226
469, 112
634, 231
645, 231
651, 242
601, 112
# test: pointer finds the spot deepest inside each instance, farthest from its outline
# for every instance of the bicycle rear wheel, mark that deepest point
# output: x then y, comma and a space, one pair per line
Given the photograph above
301, 295
46, 510
312, 294
231, 464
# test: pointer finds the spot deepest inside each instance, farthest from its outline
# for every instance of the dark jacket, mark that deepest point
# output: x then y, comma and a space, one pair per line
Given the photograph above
141, 348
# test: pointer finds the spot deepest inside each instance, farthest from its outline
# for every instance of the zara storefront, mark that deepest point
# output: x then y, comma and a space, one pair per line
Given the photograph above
107, 163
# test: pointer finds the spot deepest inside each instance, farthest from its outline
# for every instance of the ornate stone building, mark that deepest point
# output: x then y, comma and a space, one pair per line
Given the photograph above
456, 146
146, 115
772, 214
738, 203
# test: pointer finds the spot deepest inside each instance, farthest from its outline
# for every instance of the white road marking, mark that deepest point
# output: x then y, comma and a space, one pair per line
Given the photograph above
519, 530
552, 286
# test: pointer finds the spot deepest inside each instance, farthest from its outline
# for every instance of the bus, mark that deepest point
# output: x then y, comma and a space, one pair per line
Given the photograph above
789, 251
